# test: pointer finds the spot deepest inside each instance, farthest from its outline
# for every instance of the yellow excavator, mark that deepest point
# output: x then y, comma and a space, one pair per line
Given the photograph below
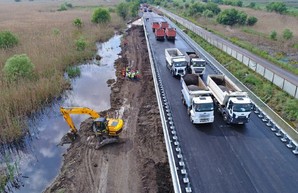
107, 130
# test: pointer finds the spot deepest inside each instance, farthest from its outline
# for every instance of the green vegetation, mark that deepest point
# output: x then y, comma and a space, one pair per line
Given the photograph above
8, 39
73, 72
273, 35
81, 44
287, 34
233, 2
123, 10
278, 7
101, 15
251, 20
65, 6
204, 9
18, 67
232, 17
77, 22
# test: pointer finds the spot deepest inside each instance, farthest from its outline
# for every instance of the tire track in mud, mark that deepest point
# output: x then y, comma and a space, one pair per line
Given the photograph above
88, 167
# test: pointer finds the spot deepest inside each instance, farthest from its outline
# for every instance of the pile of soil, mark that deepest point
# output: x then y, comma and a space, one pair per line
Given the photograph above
139, 163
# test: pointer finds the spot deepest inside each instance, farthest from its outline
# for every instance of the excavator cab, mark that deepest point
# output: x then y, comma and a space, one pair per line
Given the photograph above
100, 126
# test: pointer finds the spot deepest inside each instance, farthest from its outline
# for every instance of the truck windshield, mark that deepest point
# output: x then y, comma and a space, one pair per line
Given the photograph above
180, 64
242, 107
203, 107
198, 64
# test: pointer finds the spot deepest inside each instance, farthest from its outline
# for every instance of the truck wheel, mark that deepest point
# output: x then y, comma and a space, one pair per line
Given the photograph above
191, 120
188, 111
226, 118
173, 74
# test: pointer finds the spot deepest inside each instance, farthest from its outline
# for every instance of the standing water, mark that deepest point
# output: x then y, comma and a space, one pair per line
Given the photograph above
39, 162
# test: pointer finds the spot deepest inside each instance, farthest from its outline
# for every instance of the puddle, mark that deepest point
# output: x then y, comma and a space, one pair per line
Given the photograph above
40, 160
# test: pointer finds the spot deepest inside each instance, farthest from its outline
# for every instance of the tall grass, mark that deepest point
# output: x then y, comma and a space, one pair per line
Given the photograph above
36, 24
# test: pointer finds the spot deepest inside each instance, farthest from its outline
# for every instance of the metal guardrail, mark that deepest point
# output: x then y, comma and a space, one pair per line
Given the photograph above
288, 82
173, 167
273, 120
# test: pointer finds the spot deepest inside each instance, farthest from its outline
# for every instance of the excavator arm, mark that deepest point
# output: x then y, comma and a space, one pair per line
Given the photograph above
66, 112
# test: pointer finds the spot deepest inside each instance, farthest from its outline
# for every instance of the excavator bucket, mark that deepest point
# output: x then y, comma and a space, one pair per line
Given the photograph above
106, 142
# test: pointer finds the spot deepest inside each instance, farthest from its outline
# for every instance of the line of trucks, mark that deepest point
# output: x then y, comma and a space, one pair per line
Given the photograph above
220, 93
162, 30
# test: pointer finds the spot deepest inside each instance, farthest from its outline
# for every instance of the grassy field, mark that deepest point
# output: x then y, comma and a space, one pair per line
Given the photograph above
47, 36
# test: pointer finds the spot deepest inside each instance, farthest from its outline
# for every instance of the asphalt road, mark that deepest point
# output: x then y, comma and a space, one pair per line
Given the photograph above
222, 158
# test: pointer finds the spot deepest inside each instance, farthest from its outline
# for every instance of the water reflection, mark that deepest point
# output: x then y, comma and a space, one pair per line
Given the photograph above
40, 161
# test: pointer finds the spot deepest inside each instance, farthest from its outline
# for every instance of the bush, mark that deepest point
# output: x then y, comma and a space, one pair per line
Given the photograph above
232, 17
101, 15
251, 20
8, 39
81, 44
78, 22
213, 7
273, 35
287, 34
73, 71
56, 31
252, 5
208, 13
123, 10
62, 8
278, 7
18, 66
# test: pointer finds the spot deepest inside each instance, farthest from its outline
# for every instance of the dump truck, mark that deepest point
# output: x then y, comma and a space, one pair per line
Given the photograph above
159, 34
164, 24
196, 64
170, 33
155, 25
197, 98
231, 102
176, 61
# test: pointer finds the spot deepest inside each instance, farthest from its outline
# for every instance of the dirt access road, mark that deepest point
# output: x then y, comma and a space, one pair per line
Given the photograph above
139, 164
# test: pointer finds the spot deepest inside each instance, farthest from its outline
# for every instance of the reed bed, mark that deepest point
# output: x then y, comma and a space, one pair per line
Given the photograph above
47, 36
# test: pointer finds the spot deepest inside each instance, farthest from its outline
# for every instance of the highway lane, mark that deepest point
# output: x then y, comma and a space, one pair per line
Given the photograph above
223, 158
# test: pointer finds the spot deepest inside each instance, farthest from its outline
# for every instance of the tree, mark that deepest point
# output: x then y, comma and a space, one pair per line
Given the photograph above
287, 34
273, 35
123, 10
8, 39
213, 7
78, 22
134, 8
101, 15
278, 7
241, 18
252, 5
251, 20
208, 13
232, 17
18, 66
196, 8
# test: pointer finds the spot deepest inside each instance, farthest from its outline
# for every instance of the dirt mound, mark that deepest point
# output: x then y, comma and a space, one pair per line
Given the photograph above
139, 163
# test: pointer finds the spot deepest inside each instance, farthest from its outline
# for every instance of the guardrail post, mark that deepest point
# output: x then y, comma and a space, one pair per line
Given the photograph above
279, 133
188, 188
273, 128
284, 138
290, 144
295, 151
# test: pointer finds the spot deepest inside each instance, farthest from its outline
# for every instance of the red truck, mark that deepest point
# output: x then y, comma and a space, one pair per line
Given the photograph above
159, 34
164, 24
155, 25
170, 33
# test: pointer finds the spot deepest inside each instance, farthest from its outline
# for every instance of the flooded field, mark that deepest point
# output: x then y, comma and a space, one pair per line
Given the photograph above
37, 162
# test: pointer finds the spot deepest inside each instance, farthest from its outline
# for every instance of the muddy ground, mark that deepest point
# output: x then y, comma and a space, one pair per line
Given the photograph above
137, 164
